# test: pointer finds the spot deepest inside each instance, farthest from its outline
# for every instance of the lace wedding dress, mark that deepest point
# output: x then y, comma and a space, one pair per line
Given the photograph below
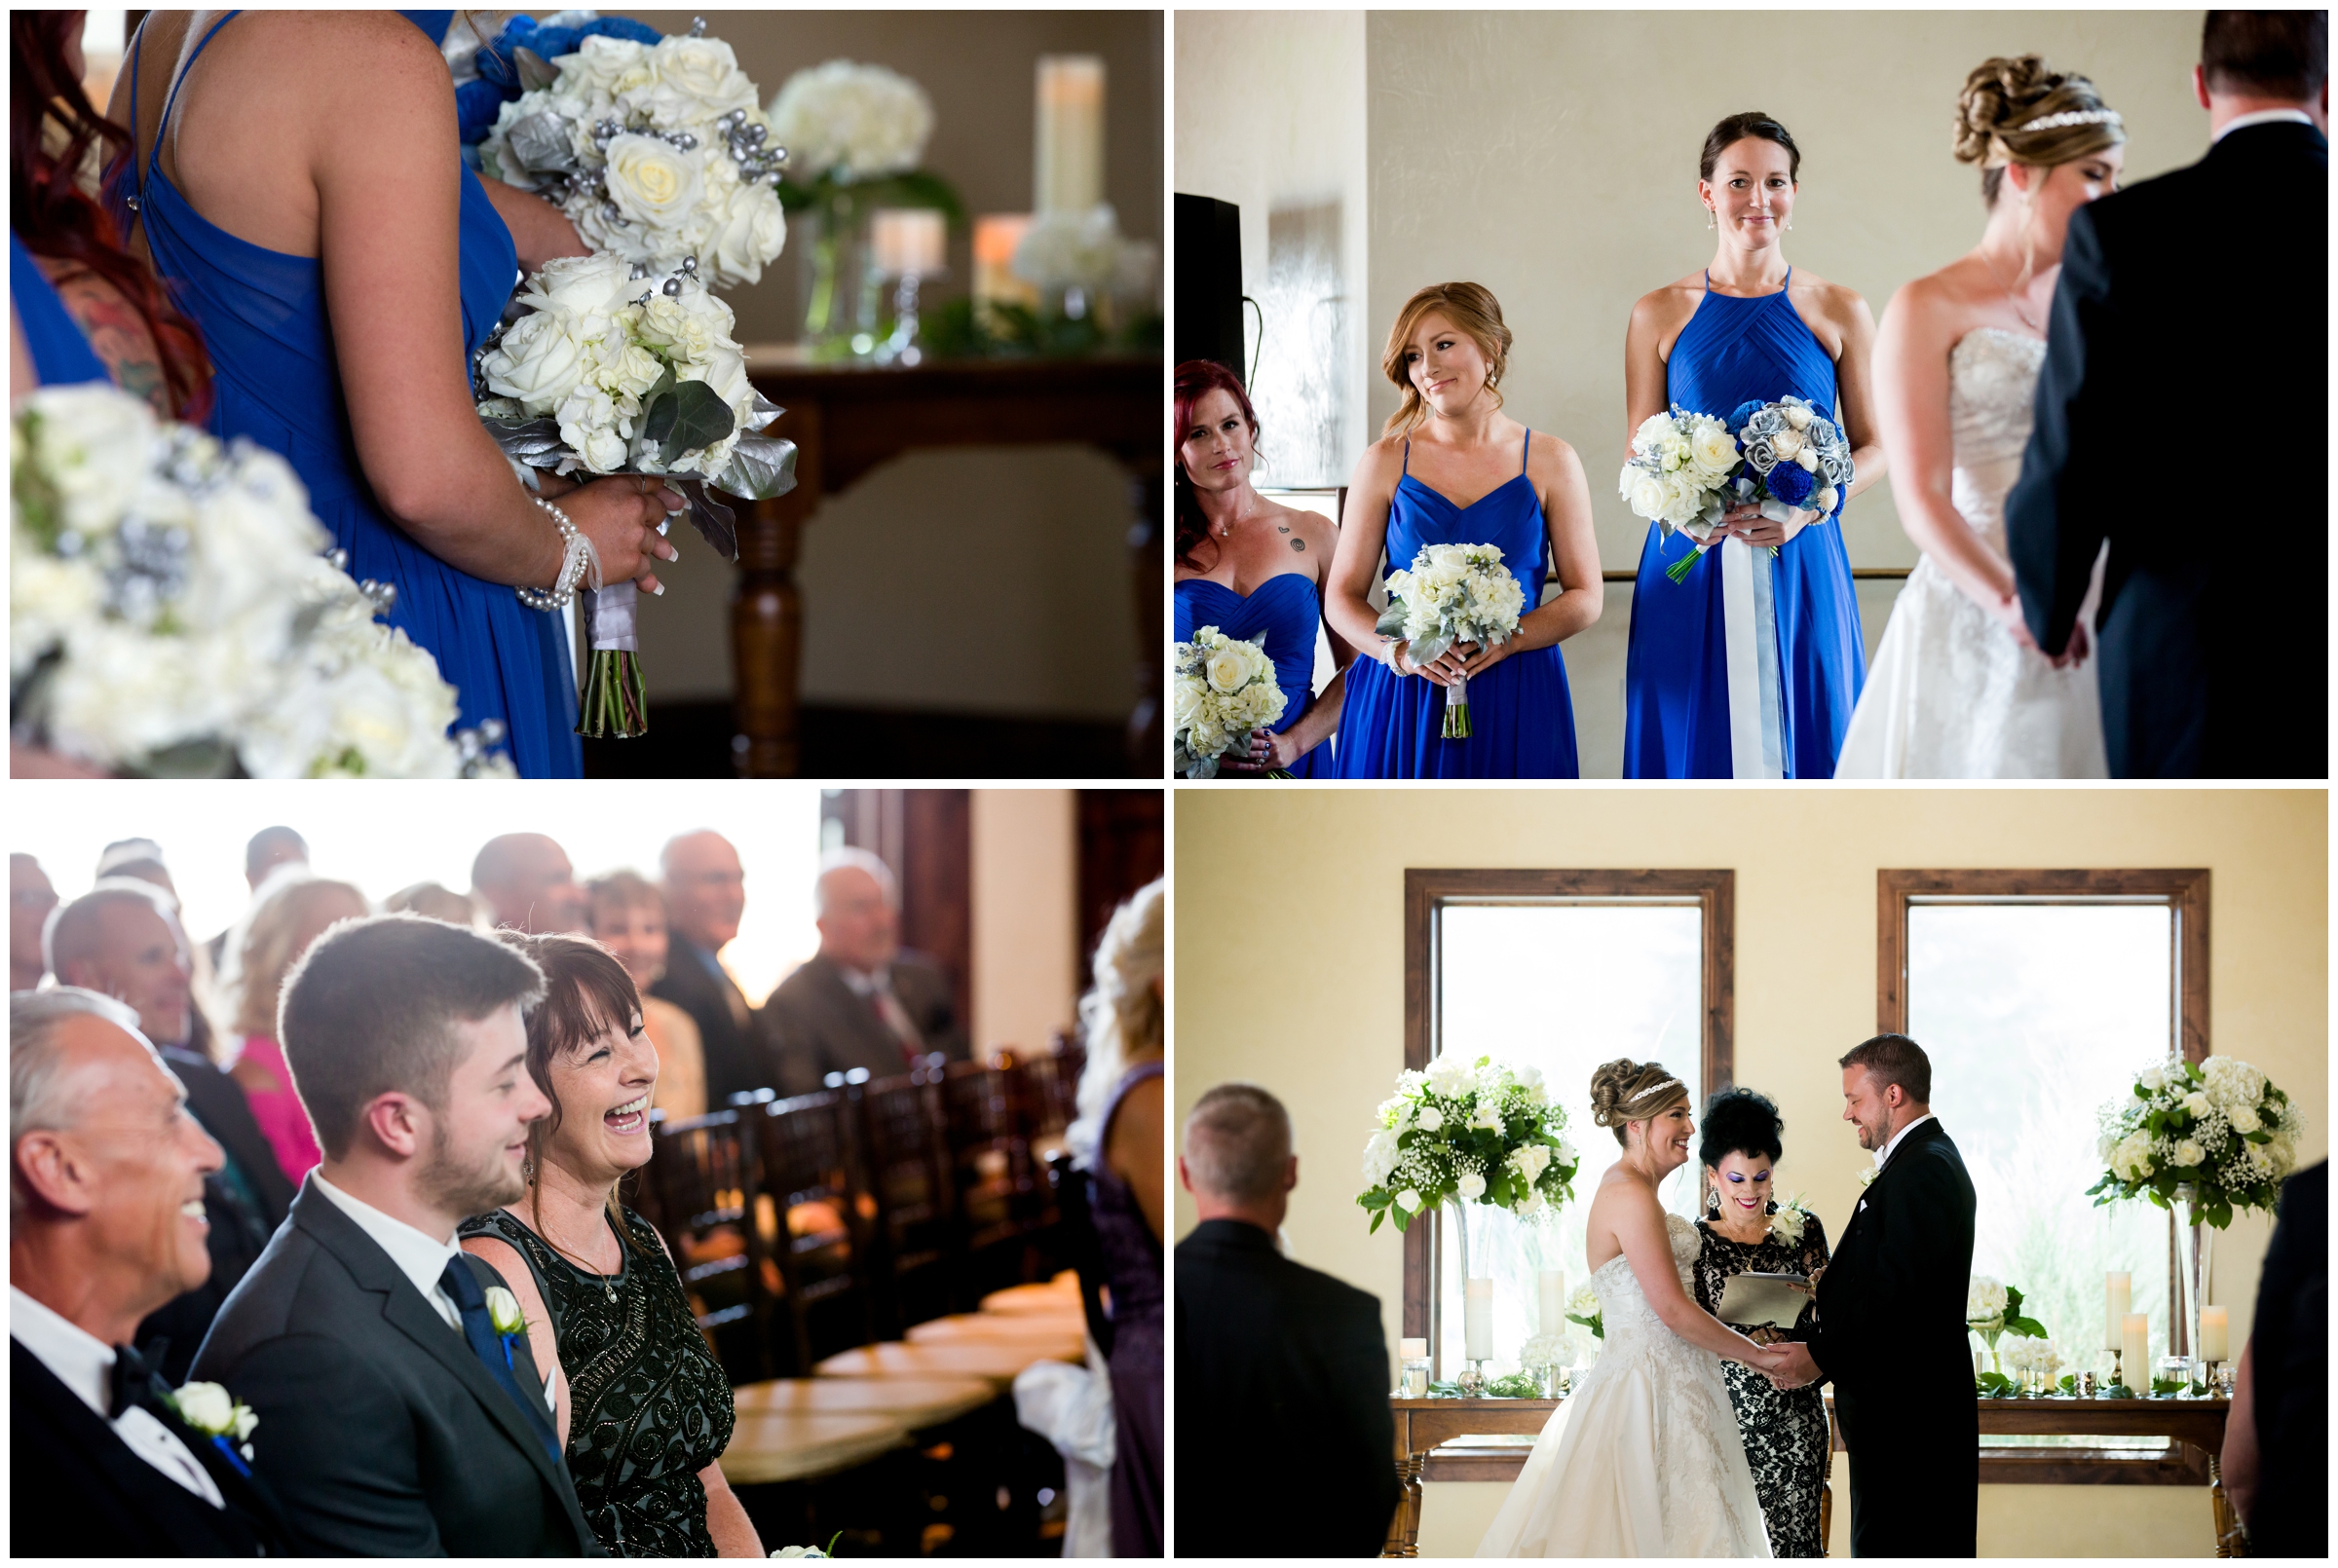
1643, 1460
1951, 694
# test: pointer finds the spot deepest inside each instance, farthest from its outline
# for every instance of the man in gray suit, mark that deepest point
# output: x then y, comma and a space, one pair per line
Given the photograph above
860, 1002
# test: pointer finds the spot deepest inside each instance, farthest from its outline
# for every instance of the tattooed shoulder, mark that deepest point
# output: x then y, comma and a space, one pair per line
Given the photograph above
117, 333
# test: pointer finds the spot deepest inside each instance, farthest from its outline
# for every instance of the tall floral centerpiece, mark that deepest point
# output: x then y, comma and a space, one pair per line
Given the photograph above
2204, 1139
1466, 1133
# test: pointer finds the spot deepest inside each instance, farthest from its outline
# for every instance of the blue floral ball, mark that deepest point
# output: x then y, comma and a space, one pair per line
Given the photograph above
1744, 412
1789, 484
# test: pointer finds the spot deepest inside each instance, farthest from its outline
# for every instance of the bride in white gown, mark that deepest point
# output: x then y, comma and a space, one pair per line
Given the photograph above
1959, 689
1643, 1460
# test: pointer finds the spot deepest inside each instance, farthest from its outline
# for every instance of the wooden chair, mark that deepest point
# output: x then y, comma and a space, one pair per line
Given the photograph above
704, 1176
1045, 1090
815, 1227
1003, 1208
917, 1250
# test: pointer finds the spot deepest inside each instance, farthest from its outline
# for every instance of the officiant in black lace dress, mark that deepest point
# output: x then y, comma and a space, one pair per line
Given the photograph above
1745, 1230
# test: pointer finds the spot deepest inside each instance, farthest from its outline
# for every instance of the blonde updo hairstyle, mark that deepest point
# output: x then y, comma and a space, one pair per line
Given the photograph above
1624, 1091
1476, 312
2005, 95
1121, 1015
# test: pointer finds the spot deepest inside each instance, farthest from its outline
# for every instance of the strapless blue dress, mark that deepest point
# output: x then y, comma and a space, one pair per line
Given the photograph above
1522, 720
61, 350
264, 321
1675, 673
1285, 611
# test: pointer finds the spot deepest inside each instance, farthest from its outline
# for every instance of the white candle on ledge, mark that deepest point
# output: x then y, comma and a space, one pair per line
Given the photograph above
2116, 1285
1477, 1321
908, 239
1552, 1291
2212, 1327
1069, 166
2134, 1345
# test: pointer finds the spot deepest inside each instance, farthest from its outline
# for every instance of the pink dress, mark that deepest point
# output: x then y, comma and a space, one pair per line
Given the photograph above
280, 1112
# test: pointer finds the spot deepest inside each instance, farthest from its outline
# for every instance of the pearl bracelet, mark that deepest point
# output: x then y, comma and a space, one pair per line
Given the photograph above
579, 565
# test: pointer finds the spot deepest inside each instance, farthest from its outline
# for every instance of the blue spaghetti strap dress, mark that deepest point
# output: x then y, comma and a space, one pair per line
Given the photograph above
1676, 672
61, 350
264, 321
1522, 718
1281, 615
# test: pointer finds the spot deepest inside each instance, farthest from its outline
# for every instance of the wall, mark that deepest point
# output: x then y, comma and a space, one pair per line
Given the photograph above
1025, 853
1020, 551
1295, 980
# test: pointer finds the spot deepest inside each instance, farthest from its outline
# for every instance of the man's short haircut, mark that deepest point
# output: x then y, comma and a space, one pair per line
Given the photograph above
2280, 54
372, 1006
71, 932
36, 1101
849, 859
266, 841
1894, 1058
1239, 1143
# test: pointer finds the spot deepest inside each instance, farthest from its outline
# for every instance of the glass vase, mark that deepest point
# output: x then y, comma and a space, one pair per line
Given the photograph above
840, 290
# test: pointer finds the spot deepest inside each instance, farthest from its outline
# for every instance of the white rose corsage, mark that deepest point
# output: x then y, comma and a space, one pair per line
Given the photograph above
1869, 1176
208, 1408
1788, 1224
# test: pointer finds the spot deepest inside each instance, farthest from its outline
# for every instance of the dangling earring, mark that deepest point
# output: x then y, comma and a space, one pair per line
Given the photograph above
1709, 218
527, 1168
1712, 1201
1790, 223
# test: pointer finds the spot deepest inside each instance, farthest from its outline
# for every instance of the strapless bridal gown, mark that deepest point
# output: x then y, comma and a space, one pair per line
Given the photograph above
1951, 694
1643, 1460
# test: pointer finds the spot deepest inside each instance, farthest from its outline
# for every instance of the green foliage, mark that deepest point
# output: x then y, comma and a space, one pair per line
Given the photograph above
2069, 1383
2015, 1322
997, 330
682, 418
1994, 1386
2161, 1386
917, 188
1594, 1323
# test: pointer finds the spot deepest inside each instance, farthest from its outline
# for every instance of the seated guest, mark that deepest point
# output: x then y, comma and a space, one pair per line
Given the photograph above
1282, 1371
644, 1407
436, 902
2277, 1441
140, 860
30, 898
627, 914
406, 1422
264, 853
525, 883
705, 895
105, 1168
860, 1002
292, 917
121, 939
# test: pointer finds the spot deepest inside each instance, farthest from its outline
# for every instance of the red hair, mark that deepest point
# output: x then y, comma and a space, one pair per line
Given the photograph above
1195, 380
56, 218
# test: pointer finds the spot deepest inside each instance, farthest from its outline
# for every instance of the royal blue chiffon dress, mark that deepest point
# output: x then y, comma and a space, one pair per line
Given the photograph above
1676, 672
1522, 720
264, 321
1284, 612
61, 350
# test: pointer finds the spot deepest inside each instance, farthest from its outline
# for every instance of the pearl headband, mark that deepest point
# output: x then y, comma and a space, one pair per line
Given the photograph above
2071, 116
1668, 1082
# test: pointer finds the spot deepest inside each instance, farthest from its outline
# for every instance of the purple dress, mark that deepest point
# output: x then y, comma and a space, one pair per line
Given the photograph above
1132, 1267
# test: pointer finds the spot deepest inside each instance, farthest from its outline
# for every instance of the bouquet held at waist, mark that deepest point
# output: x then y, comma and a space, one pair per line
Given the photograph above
1453, 594
1686, 470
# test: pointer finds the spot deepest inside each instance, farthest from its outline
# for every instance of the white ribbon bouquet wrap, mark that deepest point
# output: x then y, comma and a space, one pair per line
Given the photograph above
1451, 594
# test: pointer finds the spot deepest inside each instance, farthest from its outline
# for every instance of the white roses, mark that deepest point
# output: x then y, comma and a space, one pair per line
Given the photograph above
1674, 473
502, 1311
858, 122
1224, 687
208, 1408
1788, 1224
1984, 1302
1466, 1129
651, 182
2214, 1135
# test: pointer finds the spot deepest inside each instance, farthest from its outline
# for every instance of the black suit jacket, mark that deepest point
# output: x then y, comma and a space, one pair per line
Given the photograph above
732, 1065
2192, 306
380, 1433
814, 1024
80, 1491
1890, 1335
2289, 1372
1282, 1401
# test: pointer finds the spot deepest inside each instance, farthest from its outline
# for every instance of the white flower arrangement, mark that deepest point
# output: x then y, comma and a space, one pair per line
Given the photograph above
209, 1409
1583, 1307
2038, 1357
1224, 687
657, 152
1674, 475
1072, 249
2216, 1134
173, 610
1789, 1223
1437, 1143
1452, 594
1543, 1350
853, 122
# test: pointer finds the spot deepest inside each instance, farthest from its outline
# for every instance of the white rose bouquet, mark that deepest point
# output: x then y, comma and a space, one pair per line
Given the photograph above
599, 371
1452, 593
657, 152
1468, 1132
2216, 1134
1677, 475
1583, 1307
173, 612
1224, 687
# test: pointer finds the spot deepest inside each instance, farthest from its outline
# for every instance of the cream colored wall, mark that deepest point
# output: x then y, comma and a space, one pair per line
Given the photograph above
1025, 868
1289, 961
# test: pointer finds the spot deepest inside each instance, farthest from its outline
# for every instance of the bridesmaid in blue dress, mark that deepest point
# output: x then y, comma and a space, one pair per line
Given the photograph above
1449, 439
344, 268
1252, 569
1748, 327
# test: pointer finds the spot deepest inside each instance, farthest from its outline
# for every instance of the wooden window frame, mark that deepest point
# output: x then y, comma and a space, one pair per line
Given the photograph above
1427, 892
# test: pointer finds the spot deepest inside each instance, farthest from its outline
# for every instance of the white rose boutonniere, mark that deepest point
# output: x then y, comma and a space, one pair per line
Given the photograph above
1787, 1225
503, 1310
208, 1408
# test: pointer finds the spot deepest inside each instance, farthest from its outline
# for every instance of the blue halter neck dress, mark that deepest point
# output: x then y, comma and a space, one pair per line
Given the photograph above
1675, 673
61, 350
1524, 723
264, 319
1281, 615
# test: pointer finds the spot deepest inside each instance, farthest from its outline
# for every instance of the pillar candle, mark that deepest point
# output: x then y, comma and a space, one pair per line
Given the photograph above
1477, 1321
996, 236
1069, 172
1553, 1283
2212, 1345
2116, 1285
1412, 1350
1981, 1363
908, 239
2135, 1344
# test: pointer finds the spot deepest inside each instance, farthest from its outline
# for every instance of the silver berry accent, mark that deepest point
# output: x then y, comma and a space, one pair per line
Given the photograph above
673, 288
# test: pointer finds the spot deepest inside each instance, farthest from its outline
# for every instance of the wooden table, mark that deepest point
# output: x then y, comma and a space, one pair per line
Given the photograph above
912, 1402
788, 1445
1423, 1423
993, 1362
847, 419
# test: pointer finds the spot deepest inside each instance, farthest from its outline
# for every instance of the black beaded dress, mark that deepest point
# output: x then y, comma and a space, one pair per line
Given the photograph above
1786, 1434
649, 1406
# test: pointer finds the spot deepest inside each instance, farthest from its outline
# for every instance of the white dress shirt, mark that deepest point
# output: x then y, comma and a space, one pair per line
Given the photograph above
878, 985
419, 1257
85, 1364
2263, 117
1884, 1158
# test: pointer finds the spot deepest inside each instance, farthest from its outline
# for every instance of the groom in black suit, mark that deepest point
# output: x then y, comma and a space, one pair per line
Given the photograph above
2188, 329
1891, 1325
395, 1419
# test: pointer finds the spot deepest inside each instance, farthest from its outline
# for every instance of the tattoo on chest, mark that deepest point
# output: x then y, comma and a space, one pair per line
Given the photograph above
1299, 544
1280, 528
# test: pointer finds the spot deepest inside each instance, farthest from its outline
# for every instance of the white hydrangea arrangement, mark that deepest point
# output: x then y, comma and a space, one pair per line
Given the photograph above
1468, 1132
657, 152
173, 612
1451, 594
2033, 1361
1583, 1307
851, 122
2217, 1134
1068, 248
1222, 689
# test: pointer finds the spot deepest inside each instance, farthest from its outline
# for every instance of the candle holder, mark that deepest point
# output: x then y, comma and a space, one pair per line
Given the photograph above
2221, 1376
1471, 1380
2116, 1387
901, 349
2087, 1383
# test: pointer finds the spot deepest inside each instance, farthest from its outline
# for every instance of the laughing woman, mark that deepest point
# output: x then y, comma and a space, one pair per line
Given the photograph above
642, 1405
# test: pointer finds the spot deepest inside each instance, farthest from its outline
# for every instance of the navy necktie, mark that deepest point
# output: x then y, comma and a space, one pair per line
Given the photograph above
489, 1345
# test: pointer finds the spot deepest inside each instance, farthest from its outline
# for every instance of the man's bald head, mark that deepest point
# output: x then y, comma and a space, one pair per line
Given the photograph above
118, 939
1239, 1163
269, 849
705, 887
528, 883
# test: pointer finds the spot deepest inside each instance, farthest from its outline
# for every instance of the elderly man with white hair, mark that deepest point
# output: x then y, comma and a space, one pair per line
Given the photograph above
705, 898
860, 1002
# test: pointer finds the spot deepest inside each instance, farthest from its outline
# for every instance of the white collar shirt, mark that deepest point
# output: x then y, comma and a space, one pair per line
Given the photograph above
1883, 1159
419, 1257
2263, 117
865, 981
84, 1365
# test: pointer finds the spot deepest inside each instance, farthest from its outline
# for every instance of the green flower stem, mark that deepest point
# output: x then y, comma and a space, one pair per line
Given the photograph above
613, 704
